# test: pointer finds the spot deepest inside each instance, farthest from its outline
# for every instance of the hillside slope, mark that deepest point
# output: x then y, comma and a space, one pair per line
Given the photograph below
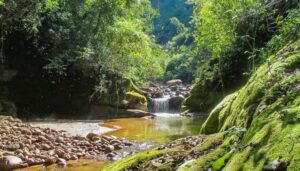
255, 128
268, 106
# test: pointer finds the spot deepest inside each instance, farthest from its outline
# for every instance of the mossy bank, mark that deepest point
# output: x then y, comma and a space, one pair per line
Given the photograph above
255, 128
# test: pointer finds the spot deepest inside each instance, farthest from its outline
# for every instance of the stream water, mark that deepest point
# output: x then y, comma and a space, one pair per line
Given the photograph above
163, 128
161, 105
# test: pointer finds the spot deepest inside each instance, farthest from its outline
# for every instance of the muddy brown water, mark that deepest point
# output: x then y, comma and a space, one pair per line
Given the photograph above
163, 129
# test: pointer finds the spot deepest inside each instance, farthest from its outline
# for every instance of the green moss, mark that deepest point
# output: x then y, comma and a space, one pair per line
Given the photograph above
136, 159
202, 98
220, 163
216, 118
136, 100
268, 106
215, 153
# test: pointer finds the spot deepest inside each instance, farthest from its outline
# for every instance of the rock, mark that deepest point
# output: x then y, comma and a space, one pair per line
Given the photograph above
10, 163
25, 131
41, 139
174, 88
31, 161
151, 84
138, 113
61, 162
109, 148
175, 103
26, 152
60, 152
174, 82
45, 147
50, 161
13, 147
136, 100
115, 141
67, 156
158, 93
91, 136
117, 146
37, 131
74, 157
60, 139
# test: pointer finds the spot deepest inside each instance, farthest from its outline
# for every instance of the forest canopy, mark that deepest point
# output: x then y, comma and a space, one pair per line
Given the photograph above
112, 35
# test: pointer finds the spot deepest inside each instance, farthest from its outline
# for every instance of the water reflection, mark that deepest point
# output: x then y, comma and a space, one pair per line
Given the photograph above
162, 129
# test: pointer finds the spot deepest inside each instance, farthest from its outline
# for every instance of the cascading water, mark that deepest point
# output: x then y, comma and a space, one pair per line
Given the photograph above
161, 105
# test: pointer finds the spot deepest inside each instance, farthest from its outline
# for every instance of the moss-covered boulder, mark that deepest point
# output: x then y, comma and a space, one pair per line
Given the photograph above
202, 98
136, 100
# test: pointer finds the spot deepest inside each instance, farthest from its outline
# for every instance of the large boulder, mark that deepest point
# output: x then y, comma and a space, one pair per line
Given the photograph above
136, 100
203, 97
175, 103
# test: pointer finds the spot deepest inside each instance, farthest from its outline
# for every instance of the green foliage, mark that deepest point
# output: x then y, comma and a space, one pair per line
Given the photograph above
51, 5
232, 35
288, 33
134, 51
164, 28
184, 61
216, 22
114, 35
77, 51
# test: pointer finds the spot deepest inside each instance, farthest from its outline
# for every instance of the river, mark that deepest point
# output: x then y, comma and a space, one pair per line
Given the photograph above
146, 132
165, 127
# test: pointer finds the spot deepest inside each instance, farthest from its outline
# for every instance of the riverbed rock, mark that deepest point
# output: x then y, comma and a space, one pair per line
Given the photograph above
19, 148
174, 82
61, 162
151, 84
136, 101
45, 147
138, 113
157, 93
175, 103
91, 136
109, 148
50, 161
10, 163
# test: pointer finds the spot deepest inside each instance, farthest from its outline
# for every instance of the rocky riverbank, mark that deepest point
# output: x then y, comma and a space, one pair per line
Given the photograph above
23, 145
170, 157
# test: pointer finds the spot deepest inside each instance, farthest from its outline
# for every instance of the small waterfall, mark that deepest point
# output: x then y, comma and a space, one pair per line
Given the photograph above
161, 105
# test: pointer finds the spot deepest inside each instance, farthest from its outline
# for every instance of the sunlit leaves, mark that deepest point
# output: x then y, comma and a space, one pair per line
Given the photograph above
289, 31
51, 5
216, 22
